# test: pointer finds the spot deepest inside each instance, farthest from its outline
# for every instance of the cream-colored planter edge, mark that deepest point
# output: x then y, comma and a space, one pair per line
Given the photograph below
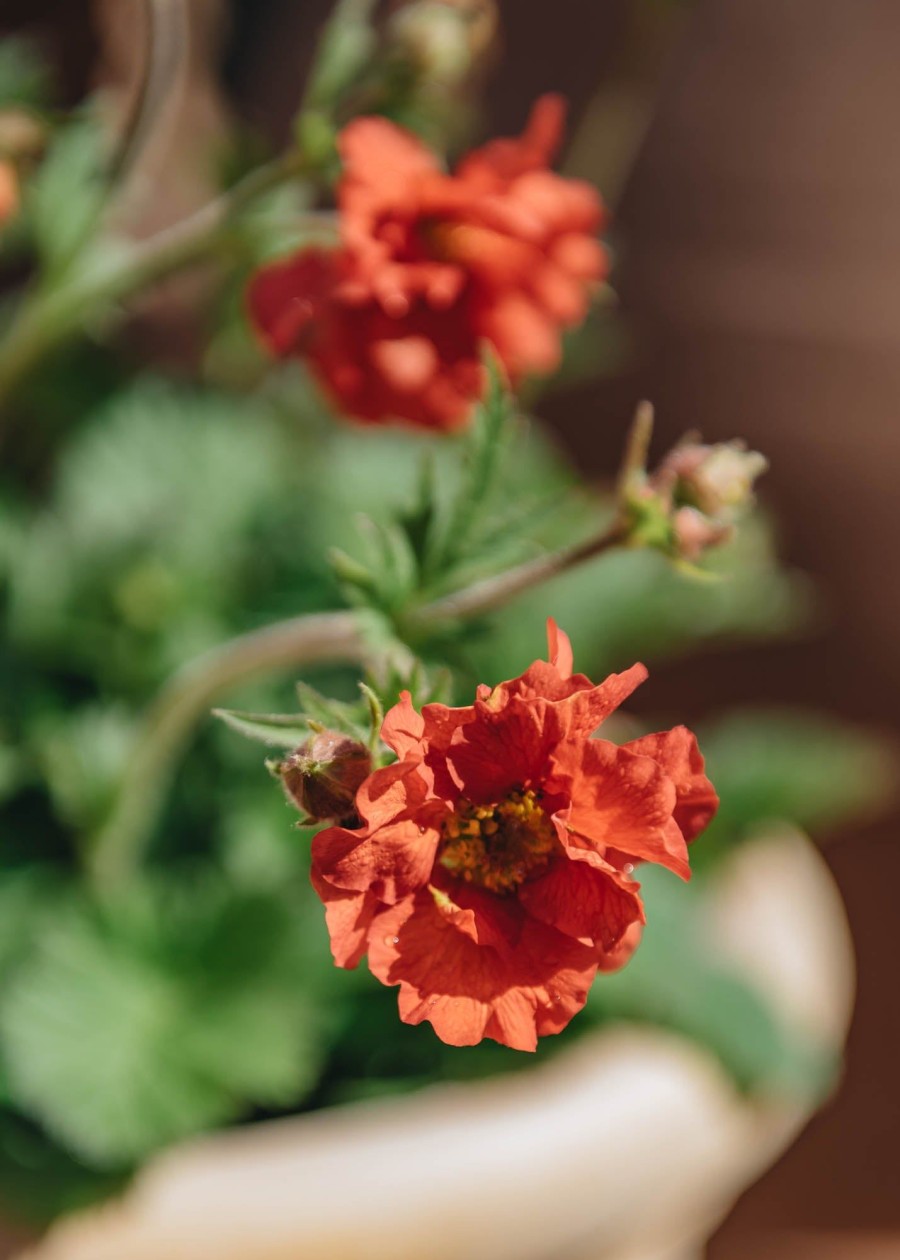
630, 1146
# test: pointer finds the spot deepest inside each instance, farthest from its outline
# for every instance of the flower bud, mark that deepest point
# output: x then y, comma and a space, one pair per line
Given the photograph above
693, 533
322, 776
444, 39
717, 480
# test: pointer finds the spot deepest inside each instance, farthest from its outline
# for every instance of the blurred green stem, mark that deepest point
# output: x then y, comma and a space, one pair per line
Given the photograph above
48, 318
317, 638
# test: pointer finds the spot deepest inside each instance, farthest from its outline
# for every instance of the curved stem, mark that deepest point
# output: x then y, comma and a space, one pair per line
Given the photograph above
319, 637
316, 638
48, 319
494, 592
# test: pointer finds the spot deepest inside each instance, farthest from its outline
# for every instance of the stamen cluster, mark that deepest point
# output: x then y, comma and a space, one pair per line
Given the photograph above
498, 846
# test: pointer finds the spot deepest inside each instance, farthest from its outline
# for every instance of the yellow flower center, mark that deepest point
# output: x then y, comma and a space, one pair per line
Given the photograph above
498, 846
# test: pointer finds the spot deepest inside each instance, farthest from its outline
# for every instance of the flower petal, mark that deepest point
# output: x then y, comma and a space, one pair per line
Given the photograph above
559, 649
621, 801
469, 991
348, 916
286, 299
403, 727
677, 752
383, 158
501, 161
392, 855
583, 901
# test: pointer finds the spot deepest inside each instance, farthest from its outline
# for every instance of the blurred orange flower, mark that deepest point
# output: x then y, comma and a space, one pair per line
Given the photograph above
431, 266
9, 191
490, 876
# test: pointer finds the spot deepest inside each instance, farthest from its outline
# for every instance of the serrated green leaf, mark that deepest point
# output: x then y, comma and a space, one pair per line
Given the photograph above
276, 730
131, 1028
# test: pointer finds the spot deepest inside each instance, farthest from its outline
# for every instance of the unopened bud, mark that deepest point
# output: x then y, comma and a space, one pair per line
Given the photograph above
444, 39
718, 480
322, 776
694, 533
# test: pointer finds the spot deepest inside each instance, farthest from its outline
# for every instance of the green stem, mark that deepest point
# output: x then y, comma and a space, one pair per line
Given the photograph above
47, 319
317, 638
483, 597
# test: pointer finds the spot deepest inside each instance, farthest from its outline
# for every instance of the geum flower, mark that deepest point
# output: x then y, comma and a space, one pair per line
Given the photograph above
432, 266
490, 875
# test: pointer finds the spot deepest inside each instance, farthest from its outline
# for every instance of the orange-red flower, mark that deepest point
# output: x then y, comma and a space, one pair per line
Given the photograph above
490, 876
433, 265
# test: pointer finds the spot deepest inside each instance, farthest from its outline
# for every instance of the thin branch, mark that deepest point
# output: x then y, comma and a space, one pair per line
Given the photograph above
47, 320
334, 638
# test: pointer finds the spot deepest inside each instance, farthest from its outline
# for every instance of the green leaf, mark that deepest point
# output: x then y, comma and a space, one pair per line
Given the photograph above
678, 979
277, 730
345, 49
67, 195
175, 1012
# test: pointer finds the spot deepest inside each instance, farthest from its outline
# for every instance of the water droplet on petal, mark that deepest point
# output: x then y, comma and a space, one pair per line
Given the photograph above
422, 830
555, 998
392, 940
628, 868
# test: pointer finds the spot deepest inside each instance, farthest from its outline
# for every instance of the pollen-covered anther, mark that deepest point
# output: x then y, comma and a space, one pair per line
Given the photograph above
498, 846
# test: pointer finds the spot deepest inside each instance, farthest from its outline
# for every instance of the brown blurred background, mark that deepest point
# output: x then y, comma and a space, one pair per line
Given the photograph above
759, 267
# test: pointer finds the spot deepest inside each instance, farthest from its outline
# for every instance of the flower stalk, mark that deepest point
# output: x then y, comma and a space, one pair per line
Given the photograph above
47, 319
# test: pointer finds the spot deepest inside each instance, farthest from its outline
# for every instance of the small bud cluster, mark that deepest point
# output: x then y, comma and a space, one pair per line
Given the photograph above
693, 499
444, 39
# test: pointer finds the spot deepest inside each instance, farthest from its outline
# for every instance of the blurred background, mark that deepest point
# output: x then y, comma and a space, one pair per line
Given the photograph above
755, 176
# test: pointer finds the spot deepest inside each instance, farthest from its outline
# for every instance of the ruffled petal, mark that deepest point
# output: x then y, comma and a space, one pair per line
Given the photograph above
559, 649
391, 862
677, 752
591, 904
469, 991
348, 916
621, 801
286, 299
393, 853
501, 161
381, 158
403, 728
502, 750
